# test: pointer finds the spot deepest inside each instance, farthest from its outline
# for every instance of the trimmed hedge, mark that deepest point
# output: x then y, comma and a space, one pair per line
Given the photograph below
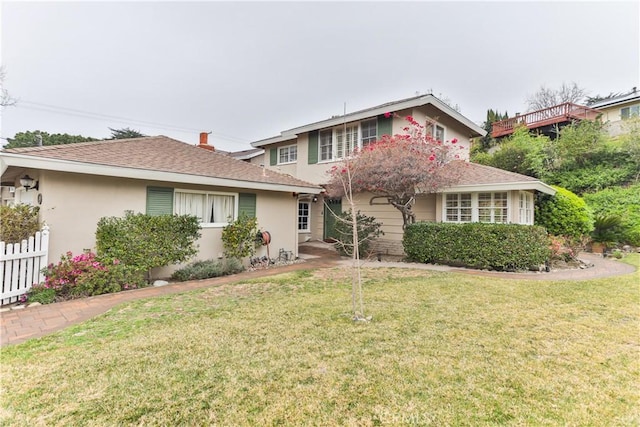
503, 247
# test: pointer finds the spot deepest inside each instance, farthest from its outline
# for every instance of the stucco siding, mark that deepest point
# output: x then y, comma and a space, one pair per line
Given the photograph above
72, 205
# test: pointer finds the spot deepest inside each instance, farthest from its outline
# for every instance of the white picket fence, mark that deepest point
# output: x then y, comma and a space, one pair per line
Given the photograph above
21, 265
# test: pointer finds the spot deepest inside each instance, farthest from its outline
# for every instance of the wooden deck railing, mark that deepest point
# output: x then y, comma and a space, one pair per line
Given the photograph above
552, 115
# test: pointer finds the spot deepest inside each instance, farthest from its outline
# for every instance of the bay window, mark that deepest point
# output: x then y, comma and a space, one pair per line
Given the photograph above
480, 207
492, 207
526, 207
458, 207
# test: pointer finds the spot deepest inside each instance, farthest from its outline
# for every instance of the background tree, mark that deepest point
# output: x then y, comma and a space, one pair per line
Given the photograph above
399, 167
546, 97
483, 143
590, 100
30, 139
5, 99
125, 133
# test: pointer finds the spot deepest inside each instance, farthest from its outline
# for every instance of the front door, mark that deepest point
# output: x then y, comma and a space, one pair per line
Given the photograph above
332, 207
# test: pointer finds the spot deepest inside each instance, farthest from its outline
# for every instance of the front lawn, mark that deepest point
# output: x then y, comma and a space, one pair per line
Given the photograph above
442, 349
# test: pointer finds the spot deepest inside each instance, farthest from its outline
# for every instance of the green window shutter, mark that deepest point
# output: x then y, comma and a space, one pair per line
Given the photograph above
273, 153
385, 125
159, 201
313, 147
247, 204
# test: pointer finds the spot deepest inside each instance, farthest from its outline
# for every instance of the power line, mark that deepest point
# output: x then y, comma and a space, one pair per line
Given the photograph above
99, 116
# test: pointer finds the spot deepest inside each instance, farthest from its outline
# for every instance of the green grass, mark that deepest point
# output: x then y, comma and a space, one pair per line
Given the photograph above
442, 349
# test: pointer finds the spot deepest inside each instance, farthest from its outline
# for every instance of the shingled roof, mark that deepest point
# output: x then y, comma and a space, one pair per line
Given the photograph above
160, 154
478, 176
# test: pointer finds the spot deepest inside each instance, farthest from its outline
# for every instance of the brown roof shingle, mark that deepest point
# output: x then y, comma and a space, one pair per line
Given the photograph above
162, 154
476, 174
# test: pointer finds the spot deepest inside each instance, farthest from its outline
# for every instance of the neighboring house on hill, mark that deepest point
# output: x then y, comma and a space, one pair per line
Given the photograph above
77, 184
618, 109
546, 121
483, 194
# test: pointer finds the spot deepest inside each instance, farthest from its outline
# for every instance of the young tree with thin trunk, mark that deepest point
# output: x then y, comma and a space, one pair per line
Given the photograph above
396, 168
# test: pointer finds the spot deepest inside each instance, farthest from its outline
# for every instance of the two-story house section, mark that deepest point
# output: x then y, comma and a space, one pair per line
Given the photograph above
308, 152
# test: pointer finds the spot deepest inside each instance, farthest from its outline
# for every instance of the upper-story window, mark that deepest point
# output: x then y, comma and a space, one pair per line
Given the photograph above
288, 154
326, 145
340, 142
436, 131
369, 132
346, 140
628, 112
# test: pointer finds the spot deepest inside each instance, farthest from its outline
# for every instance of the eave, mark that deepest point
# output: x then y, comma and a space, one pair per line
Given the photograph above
374, 112
42, 163
509, 186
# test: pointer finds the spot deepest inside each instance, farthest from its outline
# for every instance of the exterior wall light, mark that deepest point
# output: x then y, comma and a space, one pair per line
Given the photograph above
29, 183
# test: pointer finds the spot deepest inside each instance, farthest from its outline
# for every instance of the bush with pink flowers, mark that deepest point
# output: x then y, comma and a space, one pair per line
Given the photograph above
86, 275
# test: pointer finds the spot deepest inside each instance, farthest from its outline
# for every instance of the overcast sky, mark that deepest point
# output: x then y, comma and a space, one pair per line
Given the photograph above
246, 71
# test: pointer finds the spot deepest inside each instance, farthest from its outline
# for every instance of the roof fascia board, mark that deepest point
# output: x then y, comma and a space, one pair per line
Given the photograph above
32, 162
613, 102
376, 111
372, 112
507, 186
273, 140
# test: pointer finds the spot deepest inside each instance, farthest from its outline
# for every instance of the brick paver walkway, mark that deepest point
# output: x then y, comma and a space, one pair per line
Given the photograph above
17, 326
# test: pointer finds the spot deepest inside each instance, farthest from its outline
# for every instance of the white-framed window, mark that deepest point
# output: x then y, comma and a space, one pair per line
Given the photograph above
477, 207
326, 145
631, 111
288, 154
346, 140
304, 214
369, 132
492, 207
525, 205
214, 209
458, 207
436, 131
340, 142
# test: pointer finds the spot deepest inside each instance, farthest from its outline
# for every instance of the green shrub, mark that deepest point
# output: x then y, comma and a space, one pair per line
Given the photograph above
521, 152
19, 222
623, 202
368, 230
144, 241
564, 214
239, 237
593, 178
505, 247
207, 269
114, 278
41, 294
